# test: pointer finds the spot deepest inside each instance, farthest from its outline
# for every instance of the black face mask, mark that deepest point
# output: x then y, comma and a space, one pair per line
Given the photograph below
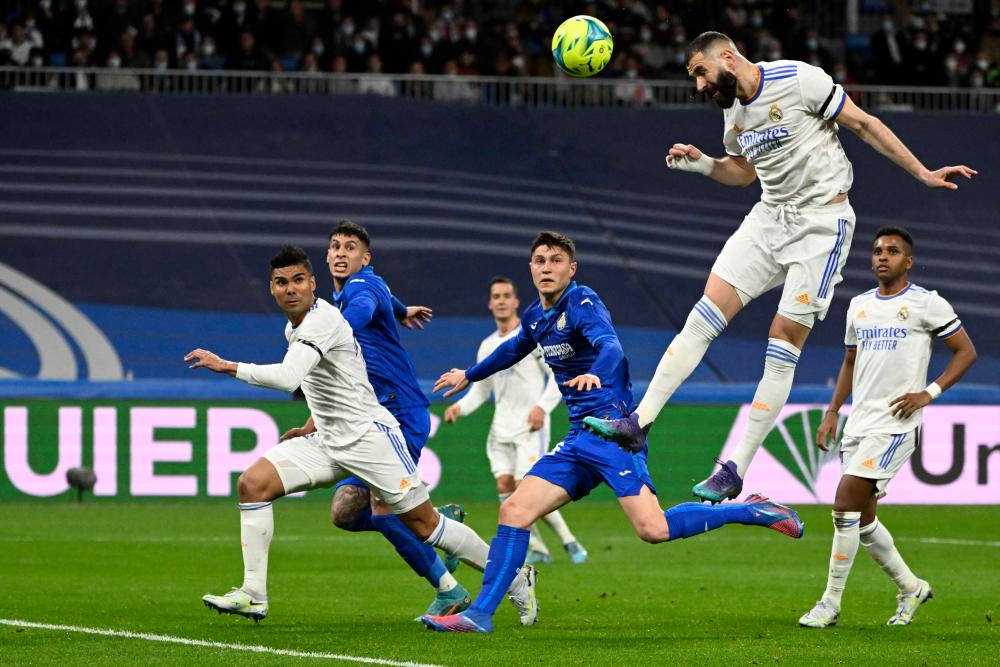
726, 86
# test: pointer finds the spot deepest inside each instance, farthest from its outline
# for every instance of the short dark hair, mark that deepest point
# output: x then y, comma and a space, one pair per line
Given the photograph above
704, 41
555, 240
895, 231
348, 227
290, 255
502, 280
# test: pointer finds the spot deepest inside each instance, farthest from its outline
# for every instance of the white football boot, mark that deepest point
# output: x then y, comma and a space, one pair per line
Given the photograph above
907, 604
823, 615
237, 601
522, 595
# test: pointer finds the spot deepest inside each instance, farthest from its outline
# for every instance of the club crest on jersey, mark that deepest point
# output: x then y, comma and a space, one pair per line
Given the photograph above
737, 129
561, 322
775, 113
903, 313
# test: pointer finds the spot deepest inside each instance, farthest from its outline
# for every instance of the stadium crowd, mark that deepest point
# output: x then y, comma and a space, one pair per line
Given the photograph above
915, 45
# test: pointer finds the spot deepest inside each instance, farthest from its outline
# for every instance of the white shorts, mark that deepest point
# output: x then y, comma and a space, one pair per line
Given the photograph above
876, 457
803, 249
515, 457
379, 457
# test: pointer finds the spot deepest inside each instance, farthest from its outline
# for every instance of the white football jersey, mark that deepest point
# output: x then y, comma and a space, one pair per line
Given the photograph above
516, 390
894, 336
325, 360
787, 130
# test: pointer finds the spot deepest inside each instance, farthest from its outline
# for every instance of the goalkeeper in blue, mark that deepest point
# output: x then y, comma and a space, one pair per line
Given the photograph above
579, 343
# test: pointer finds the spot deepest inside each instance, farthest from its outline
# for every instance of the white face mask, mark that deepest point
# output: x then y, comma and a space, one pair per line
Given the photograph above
951, 64
426, 50
161, 66
318, 49
977, 82
518, 62
470, 34
189, 9
646, 35
37, 61
887, 26
81, 4
920, 46
756, 21
347, 29
45, 4
114, 62
839, 77
208, 49
812, 44
191, 65
239, 7
434, 35
959, 46
359, 46
983, 64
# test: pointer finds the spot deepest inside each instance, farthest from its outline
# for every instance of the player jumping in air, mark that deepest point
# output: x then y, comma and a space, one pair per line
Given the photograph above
372, 311
353, 435
890, 333
579, 343
780, 126
525, 394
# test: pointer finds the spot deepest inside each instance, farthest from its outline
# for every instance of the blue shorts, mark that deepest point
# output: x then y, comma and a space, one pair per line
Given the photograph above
415, 423
582, 461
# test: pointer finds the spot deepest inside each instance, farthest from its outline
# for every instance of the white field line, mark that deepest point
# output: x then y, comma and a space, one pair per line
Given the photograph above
167, 539
200, 642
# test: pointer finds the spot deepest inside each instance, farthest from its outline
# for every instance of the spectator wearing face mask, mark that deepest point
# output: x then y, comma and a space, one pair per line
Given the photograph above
211, 59
887, 53
924, 66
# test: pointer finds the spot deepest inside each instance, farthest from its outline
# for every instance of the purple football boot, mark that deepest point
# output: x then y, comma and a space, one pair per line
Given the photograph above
724, 484
624, 431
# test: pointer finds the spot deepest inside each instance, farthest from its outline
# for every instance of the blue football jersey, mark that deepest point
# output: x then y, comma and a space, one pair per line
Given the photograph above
571, 334
367, 305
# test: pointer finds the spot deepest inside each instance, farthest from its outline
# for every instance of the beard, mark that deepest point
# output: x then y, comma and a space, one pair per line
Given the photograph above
726, 87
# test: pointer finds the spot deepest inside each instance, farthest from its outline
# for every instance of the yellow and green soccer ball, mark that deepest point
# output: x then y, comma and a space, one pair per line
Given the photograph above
582, 46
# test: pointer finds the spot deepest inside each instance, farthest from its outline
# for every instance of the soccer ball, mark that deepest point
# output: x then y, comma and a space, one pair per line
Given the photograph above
582, 46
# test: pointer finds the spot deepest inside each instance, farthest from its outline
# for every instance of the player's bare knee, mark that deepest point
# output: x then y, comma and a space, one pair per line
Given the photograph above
251, 488
652, 532
514, 513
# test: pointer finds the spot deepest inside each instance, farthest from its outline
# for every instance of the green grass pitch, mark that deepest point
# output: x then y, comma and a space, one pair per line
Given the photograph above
729, 598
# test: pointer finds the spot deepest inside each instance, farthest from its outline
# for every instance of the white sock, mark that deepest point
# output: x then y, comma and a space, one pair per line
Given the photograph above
877, 540
256, 530
845, 546
535, 541
772, 394
461, 541
681, 357
446, 582
558, 524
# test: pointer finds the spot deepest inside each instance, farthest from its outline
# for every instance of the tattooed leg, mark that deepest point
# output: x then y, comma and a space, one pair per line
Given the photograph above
351, 507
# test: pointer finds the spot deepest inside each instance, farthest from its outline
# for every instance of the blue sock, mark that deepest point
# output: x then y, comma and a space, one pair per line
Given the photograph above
421, 557
362, 522
690, 519
507, 552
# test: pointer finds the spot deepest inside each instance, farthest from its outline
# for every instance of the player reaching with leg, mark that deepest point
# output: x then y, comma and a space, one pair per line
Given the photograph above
520, 431
579, 343
353, 435
780, 126
365, 301
890, 333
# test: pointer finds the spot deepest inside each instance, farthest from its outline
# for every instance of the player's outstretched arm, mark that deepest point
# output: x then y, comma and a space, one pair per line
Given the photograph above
204, 359
963, 355
876, 134
845, 384
729, 170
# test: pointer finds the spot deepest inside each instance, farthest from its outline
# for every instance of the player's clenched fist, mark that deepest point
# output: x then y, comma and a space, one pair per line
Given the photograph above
827, 430
451, 413
686, 157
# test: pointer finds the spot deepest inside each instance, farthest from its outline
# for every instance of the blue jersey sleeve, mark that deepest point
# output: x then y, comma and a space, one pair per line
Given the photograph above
594, 322
509, 353
398, 308
360, 309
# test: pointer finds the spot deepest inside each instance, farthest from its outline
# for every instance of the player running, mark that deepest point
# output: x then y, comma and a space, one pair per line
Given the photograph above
372, 311
780, 126
578, 340
525, 394
890, 334
354, 435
